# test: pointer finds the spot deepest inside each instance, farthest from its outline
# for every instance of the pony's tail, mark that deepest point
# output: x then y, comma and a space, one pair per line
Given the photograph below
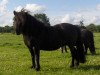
80, 48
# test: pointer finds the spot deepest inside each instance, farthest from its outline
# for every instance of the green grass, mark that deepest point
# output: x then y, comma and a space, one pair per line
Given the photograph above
15, 59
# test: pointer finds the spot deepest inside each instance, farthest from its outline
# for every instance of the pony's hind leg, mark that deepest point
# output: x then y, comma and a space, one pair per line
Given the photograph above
85, 50
37, 55
74, 62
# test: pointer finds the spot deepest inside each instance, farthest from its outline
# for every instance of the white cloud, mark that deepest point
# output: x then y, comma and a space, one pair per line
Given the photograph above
3, 4
66, 18
6, 19
35, 8
72, 18
5, 15
18, 8
77, 18
98, 7
88, 16
55, 20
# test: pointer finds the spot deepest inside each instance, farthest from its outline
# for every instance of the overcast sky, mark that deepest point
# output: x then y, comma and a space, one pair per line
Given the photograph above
59, 11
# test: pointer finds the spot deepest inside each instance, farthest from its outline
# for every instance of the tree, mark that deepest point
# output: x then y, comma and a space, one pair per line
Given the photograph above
1, 29
81, 23
98, 28
7, 29
43, 18
92, 27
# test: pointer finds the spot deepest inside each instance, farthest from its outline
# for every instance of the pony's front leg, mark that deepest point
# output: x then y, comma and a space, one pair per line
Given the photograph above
32, 56
37, 55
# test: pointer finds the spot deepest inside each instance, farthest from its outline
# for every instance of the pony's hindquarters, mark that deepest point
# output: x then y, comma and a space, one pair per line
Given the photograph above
80, 48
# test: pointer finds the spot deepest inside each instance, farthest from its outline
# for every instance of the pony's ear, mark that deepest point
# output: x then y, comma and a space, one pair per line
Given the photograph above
15, 12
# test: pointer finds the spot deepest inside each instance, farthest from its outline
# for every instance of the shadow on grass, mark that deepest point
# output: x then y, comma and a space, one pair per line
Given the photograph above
84, 68
62, 69
54, 69
97, 54
90, 67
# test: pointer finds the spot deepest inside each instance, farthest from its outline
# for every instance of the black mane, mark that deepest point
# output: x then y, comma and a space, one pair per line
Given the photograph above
32, 25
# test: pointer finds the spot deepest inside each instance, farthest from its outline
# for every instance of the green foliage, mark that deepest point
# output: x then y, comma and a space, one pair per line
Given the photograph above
43, 18
92, 27
98, 28
15, 59
7, 29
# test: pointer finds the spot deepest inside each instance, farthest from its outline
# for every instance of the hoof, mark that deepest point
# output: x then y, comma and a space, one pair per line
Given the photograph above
85, 53
76, 66
71, 66
93, 53
37, 69
32, 67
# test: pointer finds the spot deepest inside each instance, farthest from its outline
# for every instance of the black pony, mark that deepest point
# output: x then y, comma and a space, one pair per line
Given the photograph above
88, 40
38, 37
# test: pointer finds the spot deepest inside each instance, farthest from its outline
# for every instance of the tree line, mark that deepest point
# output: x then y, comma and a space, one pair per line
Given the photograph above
7, 29
43, 18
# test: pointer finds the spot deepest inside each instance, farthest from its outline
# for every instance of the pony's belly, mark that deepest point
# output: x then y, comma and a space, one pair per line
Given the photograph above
50, 47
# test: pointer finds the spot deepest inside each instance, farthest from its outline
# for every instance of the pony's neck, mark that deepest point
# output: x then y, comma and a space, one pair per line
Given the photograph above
33, 26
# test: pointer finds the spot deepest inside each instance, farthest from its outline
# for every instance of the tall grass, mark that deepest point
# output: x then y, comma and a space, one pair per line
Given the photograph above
15, 59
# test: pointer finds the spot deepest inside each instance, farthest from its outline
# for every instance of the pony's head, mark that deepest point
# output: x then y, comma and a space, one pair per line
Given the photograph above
19, 21
91, 43
92, 48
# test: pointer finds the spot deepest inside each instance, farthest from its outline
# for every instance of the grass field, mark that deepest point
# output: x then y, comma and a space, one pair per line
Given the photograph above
15, 59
